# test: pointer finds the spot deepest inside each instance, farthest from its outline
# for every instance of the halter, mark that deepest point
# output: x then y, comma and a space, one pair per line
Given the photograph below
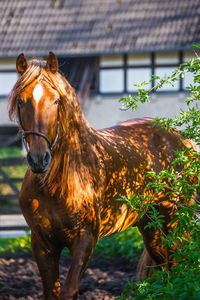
25, 133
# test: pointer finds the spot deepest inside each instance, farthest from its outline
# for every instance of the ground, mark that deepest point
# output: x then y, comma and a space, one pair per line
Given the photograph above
104, 279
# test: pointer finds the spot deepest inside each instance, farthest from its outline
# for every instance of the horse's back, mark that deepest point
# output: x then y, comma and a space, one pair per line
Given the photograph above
143, 133
135, 121
138, 143
140, 135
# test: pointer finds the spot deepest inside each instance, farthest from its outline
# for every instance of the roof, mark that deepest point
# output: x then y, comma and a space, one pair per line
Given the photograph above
91, 27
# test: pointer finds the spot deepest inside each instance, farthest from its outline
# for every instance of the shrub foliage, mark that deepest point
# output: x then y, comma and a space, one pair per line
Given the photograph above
183, 281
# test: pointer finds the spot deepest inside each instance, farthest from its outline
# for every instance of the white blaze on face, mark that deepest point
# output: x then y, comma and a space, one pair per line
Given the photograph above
37, 93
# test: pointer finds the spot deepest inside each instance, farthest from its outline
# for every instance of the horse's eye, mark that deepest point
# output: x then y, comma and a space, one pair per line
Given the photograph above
20, 102
56, 102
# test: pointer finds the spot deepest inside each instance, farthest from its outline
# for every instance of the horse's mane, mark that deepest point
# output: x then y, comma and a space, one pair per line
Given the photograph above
74, 166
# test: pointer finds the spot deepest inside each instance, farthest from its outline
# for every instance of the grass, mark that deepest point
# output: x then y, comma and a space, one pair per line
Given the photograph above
8, 152
15, 245
127, 244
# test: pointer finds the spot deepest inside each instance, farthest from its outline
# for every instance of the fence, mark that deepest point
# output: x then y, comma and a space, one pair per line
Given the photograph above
12, 222
9, 136
10, 162
10, 215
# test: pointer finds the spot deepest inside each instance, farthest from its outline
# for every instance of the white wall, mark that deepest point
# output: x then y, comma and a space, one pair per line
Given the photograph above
102, 112
4, 119
9, 65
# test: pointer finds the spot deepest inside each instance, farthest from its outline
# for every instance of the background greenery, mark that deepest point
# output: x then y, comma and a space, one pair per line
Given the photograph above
127, 244
11, 205
183, 280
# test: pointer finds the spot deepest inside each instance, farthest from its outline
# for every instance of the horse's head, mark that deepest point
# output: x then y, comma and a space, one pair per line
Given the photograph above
37, 110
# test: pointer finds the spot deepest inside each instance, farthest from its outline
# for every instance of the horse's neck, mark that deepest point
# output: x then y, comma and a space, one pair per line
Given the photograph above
78, 137
76, 163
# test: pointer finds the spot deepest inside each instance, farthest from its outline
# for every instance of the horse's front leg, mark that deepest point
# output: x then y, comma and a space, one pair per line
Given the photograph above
81, 251
47, 258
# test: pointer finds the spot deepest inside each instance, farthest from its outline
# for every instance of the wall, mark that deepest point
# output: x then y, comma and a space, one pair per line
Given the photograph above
102, 112
4, 119
8, 77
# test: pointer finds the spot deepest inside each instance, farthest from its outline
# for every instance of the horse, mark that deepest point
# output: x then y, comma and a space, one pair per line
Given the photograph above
76, 174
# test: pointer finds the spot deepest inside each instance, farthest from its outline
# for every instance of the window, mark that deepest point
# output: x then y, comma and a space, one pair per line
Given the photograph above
111, 75
111, 81
136, 76
119, 73
162, 72
165, 64
138, 70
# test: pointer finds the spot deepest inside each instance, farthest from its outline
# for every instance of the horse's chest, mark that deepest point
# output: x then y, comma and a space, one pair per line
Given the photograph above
40, 218
38, 214
54, 222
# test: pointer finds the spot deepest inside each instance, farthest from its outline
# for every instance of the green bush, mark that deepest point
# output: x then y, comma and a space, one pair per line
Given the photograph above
14, 245
183, 281
127, 244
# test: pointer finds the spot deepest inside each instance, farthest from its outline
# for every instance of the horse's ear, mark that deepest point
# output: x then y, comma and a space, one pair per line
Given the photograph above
21, 64
52, 63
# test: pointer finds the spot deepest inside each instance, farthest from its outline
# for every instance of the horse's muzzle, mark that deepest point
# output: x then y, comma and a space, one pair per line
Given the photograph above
39, 163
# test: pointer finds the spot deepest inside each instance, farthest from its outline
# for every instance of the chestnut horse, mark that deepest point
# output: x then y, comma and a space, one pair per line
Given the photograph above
76, 174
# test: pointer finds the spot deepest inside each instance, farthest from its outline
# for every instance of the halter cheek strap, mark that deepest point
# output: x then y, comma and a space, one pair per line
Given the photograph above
25, 133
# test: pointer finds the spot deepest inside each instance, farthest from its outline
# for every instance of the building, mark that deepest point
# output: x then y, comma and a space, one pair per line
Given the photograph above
104, 48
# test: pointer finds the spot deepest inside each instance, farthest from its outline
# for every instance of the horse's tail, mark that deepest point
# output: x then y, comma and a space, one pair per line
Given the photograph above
145, 266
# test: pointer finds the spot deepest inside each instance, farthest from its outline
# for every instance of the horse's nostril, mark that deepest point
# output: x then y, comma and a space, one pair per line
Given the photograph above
46, 158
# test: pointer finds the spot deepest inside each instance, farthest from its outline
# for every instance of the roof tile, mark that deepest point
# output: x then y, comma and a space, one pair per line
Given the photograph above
97, 26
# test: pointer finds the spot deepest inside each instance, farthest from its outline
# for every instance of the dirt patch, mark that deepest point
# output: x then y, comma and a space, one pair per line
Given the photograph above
103, 280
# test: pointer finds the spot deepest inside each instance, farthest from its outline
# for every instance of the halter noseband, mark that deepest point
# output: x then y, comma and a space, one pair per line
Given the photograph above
25, 133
